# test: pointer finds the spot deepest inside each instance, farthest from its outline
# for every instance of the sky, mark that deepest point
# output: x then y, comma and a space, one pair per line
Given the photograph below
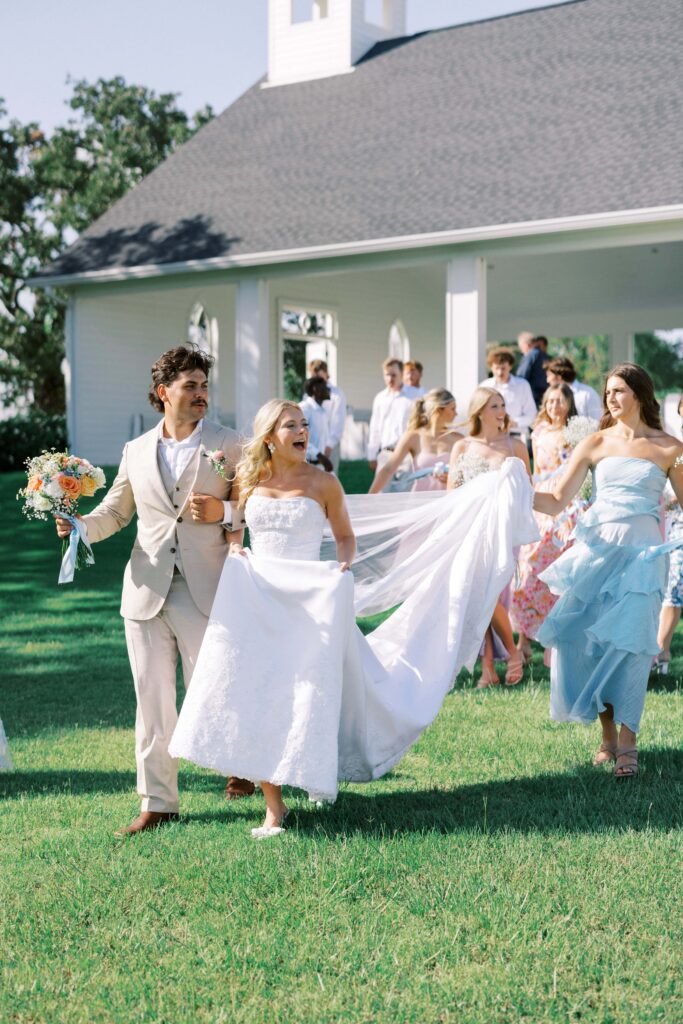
208, 51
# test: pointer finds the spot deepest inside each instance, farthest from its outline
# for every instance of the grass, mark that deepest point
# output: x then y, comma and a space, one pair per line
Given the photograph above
493, 877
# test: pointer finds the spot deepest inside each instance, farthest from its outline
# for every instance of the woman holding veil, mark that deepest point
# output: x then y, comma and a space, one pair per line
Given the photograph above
286, 690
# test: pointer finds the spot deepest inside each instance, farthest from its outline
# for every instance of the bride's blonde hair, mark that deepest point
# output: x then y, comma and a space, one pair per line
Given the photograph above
254, 466
478, 402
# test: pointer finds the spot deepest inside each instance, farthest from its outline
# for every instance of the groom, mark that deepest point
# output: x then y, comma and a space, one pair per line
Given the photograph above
171, 578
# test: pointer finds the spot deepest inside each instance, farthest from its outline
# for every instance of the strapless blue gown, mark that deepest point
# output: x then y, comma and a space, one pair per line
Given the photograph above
603, 629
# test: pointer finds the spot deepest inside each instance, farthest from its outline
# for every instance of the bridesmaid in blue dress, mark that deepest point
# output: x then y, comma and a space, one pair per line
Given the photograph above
603, 629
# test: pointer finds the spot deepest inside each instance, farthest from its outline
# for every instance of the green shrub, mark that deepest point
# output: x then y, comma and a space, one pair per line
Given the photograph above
22, 437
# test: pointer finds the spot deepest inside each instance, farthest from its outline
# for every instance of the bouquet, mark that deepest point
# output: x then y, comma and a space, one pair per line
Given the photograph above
56, 480
577, 428
469, 466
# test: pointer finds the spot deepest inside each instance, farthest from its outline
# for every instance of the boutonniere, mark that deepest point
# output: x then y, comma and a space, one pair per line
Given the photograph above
217, 460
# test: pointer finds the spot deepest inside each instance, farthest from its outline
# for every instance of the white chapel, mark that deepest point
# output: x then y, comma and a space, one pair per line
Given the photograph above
378, 192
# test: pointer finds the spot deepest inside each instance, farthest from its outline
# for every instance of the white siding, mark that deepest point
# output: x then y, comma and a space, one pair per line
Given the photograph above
118, 333
367, 303
324, 46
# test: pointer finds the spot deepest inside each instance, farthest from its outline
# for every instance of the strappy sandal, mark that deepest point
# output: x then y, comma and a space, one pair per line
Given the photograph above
608, 752
630, 769
488, 678
515, 669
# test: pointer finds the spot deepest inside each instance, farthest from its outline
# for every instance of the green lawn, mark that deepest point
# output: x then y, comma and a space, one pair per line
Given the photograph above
493, 877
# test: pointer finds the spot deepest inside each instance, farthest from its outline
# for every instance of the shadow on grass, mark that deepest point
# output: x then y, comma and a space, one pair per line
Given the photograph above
587, 800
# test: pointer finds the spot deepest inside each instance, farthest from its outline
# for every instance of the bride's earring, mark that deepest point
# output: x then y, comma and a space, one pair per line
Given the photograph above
270, 446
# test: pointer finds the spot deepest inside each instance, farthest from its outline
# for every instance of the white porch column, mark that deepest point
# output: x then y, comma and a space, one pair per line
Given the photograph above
465, 327
621, 347
252, 350
69, 371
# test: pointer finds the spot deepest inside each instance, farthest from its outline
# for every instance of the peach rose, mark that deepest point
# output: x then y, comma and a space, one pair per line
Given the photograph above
88, 486
34, 484
70, 485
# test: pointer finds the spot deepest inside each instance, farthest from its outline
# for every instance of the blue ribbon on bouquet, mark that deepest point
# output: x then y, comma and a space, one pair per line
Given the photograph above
78, 535
401, 483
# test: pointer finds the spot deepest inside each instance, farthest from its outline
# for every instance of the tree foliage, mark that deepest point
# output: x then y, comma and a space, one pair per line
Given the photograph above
662, 359
51, 189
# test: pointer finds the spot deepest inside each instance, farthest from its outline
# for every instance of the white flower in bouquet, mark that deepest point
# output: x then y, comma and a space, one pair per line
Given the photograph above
577, 428
469, 466
41, 503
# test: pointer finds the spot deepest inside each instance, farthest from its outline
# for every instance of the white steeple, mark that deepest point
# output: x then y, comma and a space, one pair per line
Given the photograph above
317, 38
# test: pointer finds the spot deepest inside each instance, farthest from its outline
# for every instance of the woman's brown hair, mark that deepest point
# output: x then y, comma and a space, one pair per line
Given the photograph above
640, 383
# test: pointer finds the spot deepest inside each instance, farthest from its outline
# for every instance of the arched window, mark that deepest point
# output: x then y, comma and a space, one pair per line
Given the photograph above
203, 331
399, 342
198, 329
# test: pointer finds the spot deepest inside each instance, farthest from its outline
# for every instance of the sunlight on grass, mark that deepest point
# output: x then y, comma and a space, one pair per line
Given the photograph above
493, 877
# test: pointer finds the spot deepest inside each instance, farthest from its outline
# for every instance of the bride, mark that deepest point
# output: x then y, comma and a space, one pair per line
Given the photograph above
286, 690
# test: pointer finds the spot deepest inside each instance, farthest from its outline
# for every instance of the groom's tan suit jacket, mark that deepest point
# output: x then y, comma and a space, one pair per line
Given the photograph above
165, 523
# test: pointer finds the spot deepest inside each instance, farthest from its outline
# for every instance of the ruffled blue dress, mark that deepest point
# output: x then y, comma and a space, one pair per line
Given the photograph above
603, 629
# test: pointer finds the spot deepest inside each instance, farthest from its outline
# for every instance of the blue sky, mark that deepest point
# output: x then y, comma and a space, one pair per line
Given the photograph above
209, 51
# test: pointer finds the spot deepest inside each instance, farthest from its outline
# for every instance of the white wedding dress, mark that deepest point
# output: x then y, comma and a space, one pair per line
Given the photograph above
286, 687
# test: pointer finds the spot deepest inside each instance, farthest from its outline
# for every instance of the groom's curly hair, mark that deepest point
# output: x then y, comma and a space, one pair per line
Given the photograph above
169, 366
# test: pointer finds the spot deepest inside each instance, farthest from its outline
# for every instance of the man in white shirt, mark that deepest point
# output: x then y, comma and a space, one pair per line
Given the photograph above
390, 414
519, 398
412, 380
312, 406
335, 409
586, 399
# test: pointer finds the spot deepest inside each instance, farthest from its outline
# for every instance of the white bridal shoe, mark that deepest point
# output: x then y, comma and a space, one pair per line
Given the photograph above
269, 831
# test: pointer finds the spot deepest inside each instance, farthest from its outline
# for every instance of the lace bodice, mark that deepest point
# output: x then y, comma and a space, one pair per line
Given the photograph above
285, 527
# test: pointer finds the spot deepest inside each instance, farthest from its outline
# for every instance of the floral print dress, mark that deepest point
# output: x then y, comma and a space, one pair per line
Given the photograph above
531, 599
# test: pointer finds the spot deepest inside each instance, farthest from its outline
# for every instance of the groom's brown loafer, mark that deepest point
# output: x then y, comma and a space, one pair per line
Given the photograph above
148, 820
238, 788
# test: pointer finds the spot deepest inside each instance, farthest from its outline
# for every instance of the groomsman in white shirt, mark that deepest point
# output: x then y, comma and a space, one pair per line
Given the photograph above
412, 380
317, 394
390, 414
519, 399
587, 401
335, 409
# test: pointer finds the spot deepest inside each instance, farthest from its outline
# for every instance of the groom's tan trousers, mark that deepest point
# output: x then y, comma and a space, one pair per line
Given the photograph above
153, 648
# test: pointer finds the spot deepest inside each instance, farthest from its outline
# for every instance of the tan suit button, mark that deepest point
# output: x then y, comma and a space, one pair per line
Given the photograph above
180, 519
173, 551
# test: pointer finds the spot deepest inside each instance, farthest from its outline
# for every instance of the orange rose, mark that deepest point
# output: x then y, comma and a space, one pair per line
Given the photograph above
34, 484
70, 485
88, 486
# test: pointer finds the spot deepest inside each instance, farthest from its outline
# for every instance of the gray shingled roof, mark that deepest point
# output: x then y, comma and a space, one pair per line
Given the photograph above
562, 111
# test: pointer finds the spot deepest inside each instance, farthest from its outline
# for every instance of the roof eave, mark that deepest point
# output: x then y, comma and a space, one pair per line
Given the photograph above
461, 236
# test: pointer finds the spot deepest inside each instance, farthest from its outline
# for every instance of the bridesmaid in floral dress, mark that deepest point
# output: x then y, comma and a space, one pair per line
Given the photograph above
532, 600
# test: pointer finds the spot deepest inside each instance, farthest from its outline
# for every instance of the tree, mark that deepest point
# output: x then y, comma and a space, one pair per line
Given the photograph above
662, 360
51, 189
